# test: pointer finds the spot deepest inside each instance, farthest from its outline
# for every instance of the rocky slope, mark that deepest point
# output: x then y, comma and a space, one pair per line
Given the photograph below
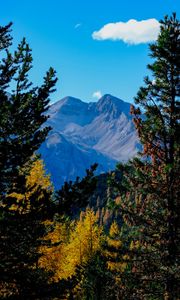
85, 133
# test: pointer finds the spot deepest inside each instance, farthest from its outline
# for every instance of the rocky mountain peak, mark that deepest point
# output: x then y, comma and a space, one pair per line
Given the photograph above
113, 106
84, 133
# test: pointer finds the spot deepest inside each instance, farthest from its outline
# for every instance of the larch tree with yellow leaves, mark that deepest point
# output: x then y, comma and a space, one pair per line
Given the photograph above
24, 235
37, 182
85, 257
73, 245
77, 244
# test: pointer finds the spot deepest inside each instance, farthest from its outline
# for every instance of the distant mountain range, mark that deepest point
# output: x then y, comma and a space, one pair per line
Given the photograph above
85, 133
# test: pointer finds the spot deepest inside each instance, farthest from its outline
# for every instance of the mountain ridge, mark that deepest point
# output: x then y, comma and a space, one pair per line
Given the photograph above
84, 133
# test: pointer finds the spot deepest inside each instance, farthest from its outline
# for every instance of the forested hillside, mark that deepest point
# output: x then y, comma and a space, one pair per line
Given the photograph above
115, 236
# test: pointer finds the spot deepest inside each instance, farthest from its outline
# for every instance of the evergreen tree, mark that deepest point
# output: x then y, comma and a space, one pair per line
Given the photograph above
25, 203
150, 208
94, 281
75, 195
5, 37
22, 109
22, 231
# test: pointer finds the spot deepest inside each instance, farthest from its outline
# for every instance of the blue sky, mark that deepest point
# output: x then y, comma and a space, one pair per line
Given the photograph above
60, 35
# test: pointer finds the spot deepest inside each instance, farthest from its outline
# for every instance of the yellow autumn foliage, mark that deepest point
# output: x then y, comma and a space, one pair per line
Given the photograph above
36, 179
134, 245
115, 262
51, 257
77, 244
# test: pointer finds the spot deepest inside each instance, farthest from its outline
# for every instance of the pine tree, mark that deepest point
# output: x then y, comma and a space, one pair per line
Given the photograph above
94, 280
22, 109
24, 205
150, 208
5, 37
75, 195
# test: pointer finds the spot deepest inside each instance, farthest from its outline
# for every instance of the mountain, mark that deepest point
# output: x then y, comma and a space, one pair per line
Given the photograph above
84, 133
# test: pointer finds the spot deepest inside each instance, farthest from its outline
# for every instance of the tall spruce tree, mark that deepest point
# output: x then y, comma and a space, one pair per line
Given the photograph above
5, 37
74, 196
22, 110
150, 208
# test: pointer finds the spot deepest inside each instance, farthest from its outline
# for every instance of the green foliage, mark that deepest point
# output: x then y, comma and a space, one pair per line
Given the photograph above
25, 202
22, 109
5, 37
94, 281
75, 195
150, 199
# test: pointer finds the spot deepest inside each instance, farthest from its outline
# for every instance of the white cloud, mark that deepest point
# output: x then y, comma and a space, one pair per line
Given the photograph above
77, 25
97, 94
131, 32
